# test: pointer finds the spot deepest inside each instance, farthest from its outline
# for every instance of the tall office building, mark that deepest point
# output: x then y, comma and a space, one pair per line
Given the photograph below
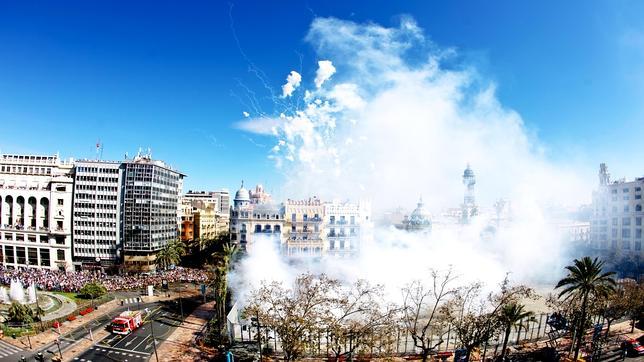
97, 214
616, 222
151, 192
224, 201
36, 212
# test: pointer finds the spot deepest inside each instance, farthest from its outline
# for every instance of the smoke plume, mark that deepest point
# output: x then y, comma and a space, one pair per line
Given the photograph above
401, 118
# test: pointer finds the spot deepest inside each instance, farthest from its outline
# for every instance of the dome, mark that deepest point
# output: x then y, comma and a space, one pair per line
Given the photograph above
420, 216
468, 172
242, 194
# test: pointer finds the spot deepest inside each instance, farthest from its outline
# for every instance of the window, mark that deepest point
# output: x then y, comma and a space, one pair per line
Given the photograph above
626, 245
614, 191
60, 254
293, 217
638, 245
638, 233
638, 207
8, 254
614, 221
61, 202
638, 221
332, 220
613, 244
614, 233
626, 233
638, 197
626, 221
626, 208
625, 190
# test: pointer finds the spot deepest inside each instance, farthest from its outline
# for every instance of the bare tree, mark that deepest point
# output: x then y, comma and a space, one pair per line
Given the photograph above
357, 319
294, 314
421, 309
476, 319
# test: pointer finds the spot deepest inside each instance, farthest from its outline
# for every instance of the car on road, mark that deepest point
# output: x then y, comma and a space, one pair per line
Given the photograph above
633, 347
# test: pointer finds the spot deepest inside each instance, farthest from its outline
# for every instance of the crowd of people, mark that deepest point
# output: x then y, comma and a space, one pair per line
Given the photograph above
53, 280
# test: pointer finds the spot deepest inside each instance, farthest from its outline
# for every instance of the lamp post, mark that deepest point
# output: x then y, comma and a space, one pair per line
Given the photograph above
259, 334
154, 341
59, 351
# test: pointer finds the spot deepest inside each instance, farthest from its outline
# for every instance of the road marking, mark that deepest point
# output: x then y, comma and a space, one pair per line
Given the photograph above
115, 350
135, 347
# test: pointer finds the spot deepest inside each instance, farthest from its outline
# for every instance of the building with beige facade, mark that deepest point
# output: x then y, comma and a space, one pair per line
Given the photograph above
306, 236
36, 212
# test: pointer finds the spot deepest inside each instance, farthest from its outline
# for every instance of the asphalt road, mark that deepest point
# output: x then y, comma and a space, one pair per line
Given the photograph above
163, 318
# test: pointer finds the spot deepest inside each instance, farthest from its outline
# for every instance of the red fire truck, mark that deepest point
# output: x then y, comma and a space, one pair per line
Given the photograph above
127, 322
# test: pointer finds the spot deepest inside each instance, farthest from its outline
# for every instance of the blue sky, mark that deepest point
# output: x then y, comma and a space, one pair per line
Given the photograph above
169, 75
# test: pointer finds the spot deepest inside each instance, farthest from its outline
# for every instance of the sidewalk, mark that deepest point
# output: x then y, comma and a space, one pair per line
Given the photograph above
41, 340
180, 345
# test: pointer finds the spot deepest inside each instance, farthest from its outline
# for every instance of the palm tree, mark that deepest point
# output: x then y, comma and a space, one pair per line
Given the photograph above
171, 253
585, 280
512, 316
219, 283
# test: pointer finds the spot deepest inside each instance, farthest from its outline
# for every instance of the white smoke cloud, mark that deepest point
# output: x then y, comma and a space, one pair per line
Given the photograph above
405, 119
324, 72
292, 82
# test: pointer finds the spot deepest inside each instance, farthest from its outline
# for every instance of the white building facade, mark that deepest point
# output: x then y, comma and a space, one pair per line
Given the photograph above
251, 222
346, 224
36, 212
616, 222
97, 214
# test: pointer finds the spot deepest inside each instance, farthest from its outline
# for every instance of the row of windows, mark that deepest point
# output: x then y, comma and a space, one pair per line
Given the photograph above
94, 232
93, 251
95, 179
27, 169
30, 237
95, 188
78, 241
96, 197
98, 215
626, 190
96, 169
20, 258
626, 221
87, 205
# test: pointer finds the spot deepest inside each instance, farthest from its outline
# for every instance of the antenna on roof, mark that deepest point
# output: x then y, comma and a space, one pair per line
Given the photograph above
99, 150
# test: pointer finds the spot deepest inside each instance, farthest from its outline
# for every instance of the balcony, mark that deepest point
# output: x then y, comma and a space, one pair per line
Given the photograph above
267, 231
59, 231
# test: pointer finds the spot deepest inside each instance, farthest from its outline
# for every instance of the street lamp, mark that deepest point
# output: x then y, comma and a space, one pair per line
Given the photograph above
154, 341
259, 334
